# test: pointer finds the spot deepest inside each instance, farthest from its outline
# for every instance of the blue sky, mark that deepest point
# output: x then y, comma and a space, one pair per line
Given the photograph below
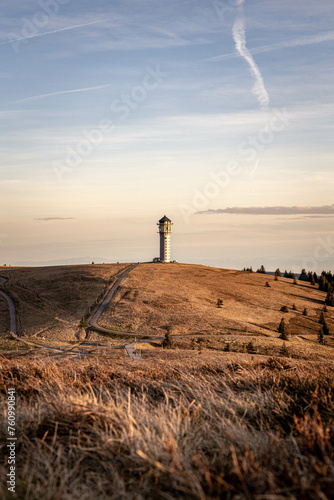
115, 113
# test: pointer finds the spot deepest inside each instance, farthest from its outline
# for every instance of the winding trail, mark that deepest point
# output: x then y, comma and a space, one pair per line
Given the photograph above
11, 305
13, 326
94, 319
130, 348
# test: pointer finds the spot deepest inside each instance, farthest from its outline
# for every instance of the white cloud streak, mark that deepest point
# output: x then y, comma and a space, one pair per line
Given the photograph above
297, 210
61, 92
75, 26
298, 42
239, 36
48, 219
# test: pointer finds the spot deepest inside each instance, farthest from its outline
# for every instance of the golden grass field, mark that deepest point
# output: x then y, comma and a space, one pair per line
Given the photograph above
180, 426
212, 418
185, 296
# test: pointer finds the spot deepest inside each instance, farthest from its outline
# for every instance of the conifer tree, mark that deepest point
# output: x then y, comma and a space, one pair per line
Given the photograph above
329, 299
321, 338
303, 275
325, 328
282, 330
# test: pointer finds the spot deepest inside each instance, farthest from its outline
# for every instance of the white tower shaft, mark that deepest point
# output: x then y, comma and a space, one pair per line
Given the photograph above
165, 229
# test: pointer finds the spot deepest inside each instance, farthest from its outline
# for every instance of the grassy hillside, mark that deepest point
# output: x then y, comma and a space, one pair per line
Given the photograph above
51, 300
235, 417
185, 296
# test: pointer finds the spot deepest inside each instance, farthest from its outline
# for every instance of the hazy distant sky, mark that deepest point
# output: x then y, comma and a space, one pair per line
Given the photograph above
116, 113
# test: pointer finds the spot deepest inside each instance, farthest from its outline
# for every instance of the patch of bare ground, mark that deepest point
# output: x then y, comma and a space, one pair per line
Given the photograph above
180, 425
50, 301
185, 296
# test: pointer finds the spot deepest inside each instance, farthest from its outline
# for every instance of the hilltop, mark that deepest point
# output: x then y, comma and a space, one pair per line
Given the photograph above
236, 416
52, 301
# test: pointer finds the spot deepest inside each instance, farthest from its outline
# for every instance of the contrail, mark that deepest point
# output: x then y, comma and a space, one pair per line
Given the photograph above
297, 42
42, 96
19, 39
239, 36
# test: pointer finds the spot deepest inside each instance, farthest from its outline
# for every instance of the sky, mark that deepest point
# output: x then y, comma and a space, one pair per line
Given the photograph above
218, 114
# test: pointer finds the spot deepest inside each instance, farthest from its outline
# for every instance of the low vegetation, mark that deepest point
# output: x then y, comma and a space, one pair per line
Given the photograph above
190, 428
242, 415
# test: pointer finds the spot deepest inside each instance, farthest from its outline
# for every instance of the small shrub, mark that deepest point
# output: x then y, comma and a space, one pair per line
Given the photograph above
284, 351
294, 308
285, 309
305, 312
267, 284
219, 303
168, 342
251, 349
295, 281
282, 330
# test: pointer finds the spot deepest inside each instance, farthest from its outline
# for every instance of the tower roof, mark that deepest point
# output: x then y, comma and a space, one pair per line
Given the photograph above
164, 219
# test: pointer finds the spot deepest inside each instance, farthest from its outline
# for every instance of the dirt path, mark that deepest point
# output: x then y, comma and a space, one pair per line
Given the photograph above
13, 327
130, 348
11, 306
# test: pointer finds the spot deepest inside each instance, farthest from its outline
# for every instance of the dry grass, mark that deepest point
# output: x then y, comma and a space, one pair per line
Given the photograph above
51, 301
191, 424
185, 296
192, 427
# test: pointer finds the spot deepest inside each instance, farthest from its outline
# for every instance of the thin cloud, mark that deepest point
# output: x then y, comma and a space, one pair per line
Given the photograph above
61, 92
16, 38
47, 219
239, 36
297, 42
311, 211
